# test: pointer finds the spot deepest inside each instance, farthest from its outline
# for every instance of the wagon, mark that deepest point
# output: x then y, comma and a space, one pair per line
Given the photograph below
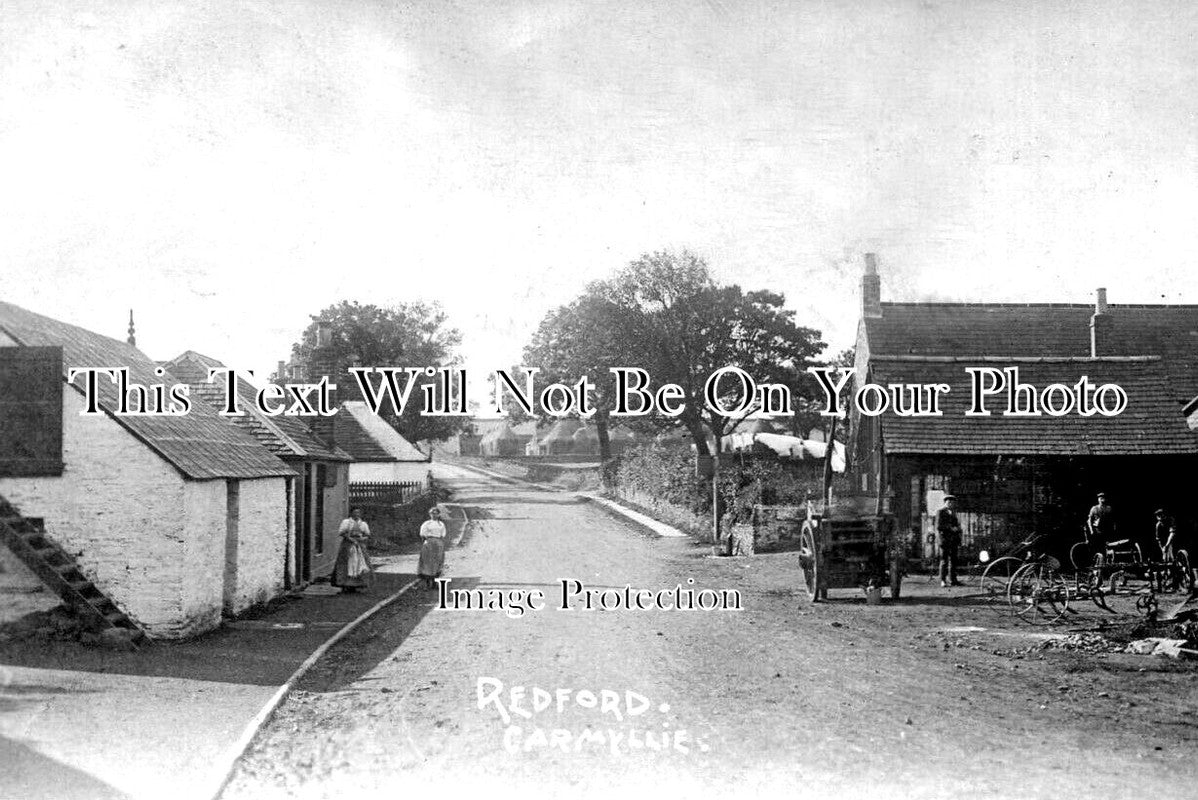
842, 547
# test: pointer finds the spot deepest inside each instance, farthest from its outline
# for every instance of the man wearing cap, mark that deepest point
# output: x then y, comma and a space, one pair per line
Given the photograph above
1166, 532
949, 528
1100, 524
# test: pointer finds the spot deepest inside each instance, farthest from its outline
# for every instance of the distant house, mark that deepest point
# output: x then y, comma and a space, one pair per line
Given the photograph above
163, 522
380, 453
1018, 475
321, 490
586, 441
559, 440
469, 441
504, 440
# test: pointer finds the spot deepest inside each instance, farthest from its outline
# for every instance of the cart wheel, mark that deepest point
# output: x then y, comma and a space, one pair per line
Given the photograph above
809, 560
1037, 593
1080, 556
996, 576
1181, 563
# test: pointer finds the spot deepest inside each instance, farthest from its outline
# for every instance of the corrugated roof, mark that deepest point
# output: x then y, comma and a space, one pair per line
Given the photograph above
200, 444
366, 437
283, 435
1153, 422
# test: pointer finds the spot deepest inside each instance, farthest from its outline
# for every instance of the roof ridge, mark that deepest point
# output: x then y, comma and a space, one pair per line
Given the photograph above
973, 304
1014, 359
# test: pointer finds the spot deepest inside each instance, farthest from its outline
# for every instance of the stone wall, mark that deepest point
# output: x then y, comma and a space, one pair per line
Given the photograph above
21, 591
118, 509
261, 543
149, 539
389, 471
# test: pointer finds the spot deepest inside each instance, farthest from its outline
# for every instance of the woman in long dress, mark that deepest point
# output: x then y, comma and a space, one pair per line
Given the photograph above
352, 570
432, 550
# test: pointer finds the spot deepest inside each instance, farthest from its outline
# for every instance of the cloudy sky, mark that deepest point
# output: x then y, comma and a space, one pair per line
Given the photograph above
229, 168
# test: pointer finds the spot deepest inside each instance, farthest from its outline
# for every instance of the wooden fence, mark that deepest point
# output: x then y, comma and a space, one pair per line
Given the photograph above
385, 493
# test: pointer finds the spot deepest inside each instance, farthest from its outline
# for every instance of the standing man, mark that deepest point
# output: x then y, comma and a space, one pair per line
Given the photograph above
1166, 533
1100, 525
949, 528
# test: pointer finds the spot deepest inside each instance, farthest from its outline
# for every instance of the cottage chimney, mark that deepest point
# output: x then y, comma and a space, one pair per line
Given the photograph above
871, 289
281, 372
324, 363
324, 333
1100, 327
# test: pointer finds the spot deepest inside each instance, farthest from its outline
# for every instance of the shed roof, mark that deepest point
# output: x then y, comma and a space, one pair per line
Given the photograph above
1153, 422
367, 437
283, 435
200, 444
1042, 329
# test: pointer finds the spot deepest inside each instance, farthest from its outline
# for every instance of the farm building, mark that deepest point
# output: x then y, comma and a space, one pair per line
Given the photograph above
321, 487
1018, 475
161, 523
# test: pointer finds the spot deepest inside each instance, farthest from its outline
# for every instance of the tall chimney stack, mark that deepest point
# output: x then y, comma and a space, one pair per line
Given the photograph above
1100, 326
871, 289
324, 363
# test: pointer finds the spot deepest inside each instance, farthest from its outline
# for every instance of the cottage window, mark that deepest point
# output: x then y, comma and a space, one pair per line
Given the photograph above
30, 411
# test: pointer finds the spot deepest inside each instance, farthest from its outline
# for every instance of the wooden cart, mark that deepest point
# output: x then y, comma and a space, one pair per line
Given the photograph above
842, 547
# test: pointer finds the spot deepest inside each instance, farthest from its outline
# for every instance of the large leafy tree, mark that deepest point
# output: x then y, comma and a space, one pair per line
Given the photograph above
406, 335
688, 327
585, 339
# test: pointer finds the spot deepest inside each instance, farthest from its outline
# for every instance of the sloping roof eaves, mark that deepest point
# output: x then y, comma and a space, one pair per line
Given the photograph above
1040, 330
286, 437
199, 444
367, 437
1152, 424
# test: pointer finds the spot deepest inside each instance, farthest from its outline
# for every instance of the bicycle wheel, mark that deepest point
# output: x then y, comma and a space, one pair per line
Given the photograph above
1080, 556
993, 583
1038, 594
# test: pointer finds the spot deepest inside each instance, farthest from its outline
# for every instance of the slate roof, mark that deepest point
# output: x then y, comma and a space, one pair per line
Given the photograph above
200, 444
1044, 329
286, 437
367, 437
1153, 422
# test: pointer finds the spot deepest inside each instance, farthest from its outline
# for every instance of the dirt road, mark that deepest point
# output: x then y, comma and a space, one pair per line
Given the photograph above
937, 696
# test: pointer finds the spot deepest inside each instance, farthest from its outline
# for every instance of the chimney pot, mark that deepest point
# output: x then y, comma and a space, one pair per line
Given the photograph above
871, 288
1100, 327
324, 334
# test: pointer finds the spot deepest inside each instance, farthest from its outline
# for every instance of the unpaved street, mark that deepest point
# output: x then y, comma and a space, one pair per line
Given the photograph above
842, 699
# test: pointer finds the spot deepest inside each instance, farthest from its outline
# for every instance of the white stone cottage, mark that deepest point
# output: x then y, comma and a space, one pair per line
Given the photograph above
176, 519
380, 453
321, 487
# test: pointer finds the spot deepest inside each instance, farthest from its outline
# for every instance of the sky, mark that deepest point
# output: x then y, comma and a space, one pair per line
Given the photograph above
227, 169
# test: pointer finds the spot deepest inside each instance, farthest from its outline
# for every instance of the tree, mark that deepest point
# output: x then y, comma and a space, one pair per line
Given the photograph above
405, 335
688, 327
585, 339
